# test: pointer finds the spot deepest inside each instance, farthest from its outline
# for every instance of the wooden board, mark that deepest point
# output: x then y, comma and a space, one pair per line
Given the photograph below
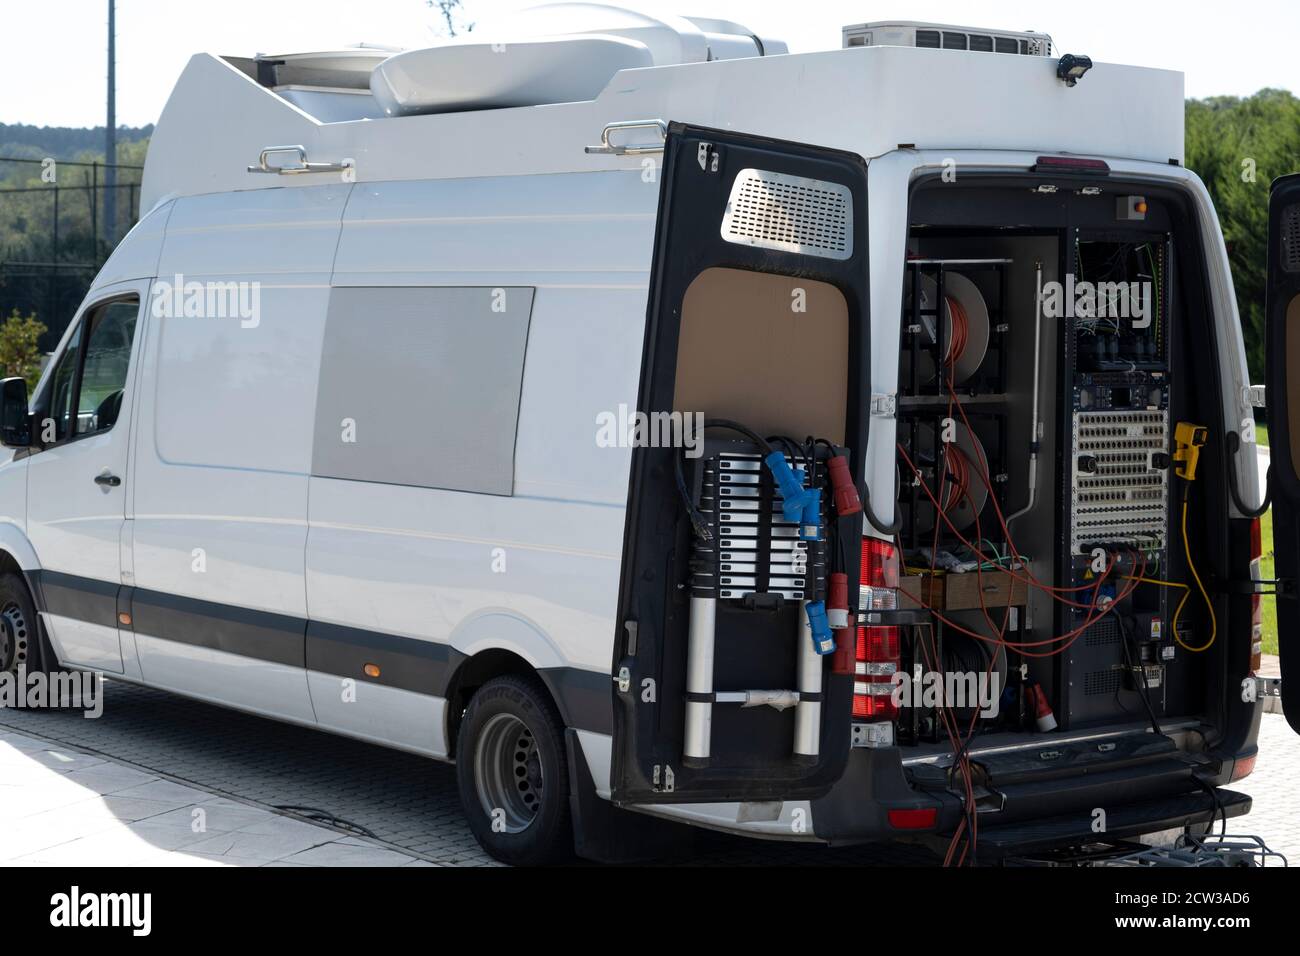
961, 592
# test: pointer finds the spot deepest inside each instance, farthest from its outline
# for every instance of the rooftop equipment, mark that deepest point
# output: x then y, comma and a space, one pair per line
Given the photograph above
939, 36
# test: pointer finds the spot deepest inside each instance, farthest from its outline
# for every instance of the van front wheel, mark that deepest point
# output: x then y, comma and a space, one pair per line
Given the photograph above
512, 773
19, 638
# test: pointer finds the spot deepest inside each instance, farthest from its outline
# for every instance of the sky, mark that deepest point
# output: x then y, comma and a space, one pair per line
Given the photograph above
52, 52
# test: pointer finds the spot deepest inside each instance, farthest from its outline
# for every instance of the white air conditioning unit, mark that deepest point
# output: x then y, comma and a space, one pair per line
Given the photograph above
939, 36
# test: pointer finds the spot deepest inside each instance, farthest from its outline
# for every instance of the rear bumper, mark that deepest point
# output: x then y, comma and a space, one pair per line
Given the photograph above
1139, 784
996, 843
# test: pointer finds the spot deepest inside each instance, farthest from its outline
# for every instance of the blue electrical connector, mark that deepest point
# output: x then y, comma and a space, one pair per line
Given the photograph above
794, 495
823, 639
810, 524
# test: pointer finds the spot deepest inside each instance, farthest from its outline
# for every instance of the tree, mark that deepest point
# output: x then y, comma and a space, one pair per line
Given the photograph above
19, 354
1238, 146
451, 12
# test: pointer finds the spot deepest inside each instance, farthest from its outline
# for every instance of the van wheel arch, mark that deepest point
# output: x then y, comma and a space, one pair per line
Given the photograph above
476, 671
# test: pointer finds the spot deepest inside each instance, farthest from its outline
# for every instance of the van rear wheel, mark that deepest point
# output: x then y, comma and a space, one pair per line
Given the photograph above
512, 773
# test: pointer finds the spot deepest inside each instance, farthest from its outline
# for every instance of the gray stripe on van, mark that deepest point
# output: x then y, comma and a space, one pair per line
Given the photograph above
406, 663
82, 599
584, 697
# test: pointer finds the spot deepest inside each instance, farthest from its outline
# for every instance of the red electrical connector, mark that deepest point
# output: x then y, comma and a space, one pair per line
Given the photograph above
1044, 719
847, 501
837, 613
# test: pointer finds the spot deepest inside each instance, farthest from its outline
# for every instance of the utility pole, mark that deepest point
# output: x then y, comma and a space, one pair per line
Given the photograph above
110, 137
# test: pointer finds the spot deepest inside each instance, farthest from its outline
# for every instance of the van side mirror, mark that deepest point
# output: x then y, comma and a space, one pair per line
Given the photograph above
15, 422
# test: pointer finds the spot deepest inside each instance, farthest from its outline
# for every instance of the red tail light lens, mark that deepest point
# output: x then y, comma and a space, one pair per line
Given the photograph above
870, 707
875, 664
879, 575
1244, 767
876, 655
1074, 164
877, 644
921, 819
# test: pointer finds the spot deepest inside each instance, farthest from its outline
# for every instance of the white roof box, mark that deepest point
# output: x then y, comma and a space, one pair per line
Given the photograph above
348, 68
555, 53
672, 40
460, 76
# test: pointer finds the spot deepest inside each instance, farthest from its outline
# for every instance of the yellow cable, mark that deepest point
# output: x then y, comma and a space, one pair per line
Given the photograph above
1168, 584
1209, 605
1187, 592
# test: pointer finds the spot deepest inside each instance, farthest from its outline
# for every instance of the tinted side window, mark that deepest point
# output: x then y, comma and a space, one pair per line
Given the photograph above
86, 389
103, 377
420, 386
63, 386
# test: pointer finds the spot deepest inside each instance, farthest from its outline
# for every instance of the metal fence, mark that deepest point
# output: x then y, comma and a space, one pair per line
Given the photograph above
54, 236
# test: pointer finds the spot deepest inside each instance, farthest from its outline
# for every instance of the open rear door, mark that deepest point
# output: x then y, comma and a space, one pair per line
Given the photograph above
1282, 318
757, 313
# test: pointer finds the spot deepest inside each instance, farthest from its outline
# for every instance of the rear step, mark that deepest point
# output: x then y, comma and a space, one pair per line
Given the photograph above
1025, 784
997, 843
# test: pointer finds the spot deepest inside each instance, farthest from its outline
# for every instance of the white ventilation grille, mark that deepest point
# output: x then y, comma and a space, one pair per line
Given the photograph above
809, 217
1122, 498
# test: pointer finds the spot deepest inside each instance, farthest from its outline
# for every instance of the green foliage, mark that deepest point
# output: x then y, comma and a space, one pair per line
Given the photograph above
1238, 146
27, 204
19, 353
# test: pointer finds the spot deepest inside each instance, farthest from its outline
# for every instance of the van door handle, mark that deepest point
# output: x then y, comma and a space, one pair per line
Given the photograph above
108, 480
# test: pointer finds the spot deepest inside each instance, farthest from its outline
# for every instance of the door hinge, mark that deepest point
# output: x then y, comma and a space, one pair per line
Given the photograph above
1254, 396
1259, 585
707, 155
623, 679
663, 782
883, 406
1257, 688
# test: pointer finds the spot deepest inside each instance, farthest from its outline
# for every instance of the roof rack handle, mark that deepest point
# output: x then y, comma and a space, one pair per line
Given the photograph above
630, 149
298, 165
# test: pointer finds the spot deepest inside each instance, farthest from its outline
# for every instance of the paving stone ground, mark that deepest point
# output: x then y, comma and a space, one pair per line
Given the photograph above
127, 784
67, 807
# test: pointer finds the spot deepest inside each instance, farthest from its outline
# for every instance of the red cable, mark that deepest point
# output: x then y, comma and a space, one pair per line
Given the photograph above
1053, 591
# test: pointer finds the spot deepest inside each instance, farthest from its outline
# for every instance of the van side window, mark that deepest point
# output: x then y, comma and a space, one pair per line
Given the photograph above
88, 383
103, 377
63, 386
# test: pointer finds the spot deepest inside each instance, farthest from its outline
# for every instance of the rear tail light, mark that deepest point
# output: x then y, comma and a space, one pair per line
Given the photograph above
879, 575
875, 664
876, 656
1244, 767
1256, 600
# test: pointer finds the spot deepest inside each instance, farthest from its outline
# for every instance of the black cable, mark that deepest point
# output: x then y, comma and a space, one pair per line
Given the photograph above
698, 521
1233, 442
890, 529
1144, 687
737, 427
1219, 809
324, 816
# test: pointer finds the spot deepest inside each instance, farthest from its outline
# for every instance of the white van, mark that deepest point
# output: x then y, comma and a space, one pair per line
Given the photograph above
345, 434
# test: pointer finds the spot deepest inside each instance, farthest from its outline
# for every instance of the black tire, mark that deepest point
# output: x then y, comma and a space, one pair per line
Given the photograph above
20, 633
513, 774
